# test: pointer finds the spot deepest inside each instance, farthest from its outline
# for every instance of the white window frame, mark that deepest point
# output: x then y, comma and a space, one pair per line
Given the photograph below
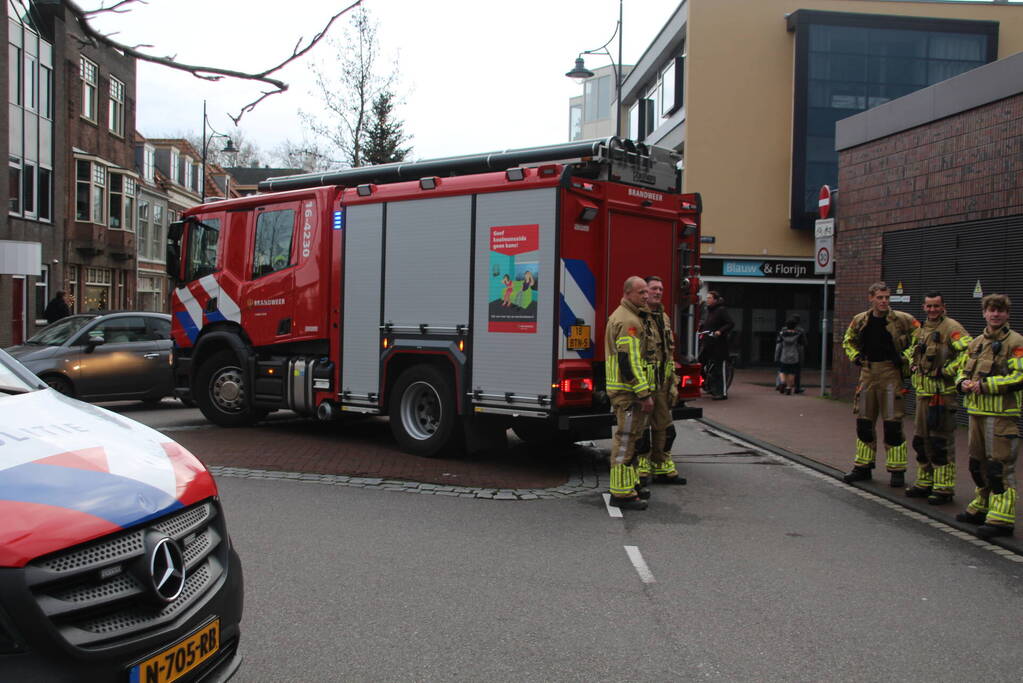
149, 163
158, 234
123, 200
43, 283
175, 171
14, 166
115, 115
88, 71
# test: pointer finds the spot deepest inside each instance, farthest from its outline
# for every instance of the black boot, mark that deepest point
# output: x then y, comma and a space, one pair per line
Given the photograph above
917, 492
643, 492
987, 531
634, 503
678, 479
857, 474
940, 498
898, 480
971, 517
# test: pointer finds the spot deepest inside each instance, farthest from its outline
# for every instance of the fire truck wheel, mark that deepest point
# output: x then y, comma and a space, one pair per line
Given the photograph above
220, 392
422, 412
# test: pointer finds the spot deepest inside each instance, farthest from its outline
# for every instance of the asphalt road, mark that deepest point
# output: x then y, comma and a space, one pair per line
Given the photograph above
757, 570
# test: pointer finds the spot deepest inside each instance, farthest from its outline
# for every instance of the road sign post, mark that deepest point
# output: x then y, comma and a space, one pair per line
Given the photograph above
824, 264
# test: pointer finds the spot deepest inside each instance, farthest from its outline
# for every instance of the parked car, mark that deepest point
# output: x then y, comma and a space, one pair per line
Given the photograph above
96, 357
115, 560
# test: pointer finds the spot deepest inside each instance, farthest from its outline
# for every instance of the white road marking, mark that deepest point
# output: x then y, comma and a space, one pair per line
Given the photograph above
912, 514
645, 575
611, 510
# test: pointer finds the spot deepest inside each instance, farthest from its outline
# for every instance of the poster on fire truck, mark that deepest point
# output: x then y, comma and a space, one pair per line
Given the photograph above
514, 269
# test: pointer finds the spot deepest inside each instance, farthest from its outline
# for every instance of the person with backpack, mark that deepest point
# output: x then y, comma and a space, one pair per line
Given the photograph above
788, 354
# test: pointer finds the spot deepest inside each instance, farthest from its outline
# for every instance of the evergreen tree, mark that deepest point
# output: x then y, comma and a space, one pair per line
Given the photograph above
385, 134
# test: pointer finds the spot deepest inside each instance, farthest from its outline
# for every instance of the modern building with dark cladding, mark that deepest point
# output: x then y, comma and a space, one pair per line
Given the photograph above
932, 199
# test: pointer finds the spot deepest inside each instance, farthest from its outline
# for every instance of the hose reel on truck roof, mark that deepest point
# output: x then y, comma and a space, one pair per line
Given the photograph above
610, 158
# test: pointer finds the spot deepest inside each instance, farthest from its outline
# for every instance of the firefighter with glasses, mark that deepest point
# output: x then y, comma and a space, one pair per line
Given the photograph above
653, 452
876, 341
936, 354
992, 383
630, 382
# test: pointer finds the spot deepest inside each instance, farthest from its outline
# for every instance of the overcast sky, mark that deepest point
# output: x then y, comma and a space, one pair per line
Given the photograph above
476, 75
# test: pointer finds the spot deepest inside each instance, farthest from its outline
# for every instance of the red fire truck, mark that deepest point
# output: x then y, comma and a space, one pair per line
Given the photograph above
458, 296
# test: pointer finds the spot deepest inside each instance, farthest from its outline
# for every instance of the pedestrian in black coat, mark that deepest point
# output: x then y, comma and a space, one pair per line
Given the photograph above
716, 327
57, 308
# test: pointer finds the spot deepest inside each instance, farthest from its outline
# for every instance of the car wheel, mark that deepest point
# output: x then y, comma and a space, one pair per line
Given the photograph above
423, 413
61, 384
221, 392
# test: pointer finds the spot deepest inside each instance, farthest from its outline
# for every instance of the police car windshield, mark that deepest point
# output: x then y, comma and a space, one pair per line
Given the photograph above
14, 378
60, 331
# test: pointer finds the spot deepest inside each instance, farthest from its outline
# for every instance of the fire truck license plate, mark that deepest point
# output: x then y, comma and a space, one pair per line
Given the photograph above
179, 659
579, 338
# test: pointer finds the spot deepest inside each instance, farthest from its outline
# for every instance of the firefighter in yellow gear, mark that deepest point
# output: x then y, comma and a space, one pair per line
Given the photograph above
653, 452
992, 384
936, 354
629, 380
876, 341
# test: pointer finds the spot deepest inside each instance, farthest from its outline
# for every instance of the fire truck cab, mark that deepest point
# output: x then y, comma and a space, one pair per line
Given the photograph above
458, 296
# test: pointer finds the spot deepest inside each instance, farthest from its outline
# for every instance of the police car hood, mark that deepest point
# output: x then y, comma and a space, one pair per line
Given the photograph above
71, 472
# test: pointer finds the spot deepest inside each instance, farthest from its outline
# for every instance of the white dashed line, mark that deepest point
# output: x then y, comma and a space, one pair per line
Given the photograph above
611, 510
645, 575
862, 493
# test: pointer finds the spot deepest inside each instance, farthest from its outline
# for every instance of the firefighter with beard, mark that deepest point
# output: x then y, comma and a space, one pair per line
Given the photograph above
936, 354
653, 452
992, 381
876, 341
629, 386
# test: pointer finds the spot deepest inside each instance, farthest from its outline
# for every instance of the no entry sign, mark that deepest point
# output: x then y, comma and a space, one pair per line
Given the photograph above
824, 201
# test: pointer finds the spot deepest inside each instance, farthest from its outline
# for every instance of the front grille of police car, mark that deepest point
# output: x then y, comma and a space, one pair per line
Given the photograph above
91, 593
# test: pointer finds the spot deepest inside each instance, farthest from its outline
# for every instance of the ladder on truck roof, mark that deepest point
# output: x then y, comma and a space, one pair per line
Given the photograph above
610, 158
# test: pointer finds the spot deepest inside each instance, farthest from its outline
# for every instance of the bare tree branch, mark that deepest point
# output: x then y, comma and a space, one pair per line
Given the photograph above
206, 73
116, 8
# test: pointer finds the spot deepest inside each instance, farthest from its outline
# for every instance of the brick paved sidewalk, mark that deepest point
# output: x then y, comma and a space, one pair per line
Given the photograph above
823, 431
364, 447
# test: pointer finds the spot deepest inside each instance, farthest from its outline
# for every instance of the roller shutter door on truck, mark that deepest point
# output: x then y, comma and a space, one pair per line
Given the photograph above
360, 339
513, 345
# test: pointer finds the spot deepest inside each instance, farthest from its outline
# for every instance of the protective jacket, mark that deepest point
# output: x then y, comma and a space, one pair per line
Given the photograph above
628, 351
661, 342
995, 358
936, 354
898, 324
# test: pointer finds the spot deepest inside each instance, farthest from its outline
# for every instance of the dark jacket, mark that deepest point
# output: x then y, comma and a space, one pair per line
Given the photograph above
717, 320
56, 309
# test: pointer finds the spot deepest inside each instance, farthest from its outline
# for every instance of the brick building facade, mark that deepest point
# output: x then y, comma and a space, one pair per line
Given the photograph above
932, 199
100, 245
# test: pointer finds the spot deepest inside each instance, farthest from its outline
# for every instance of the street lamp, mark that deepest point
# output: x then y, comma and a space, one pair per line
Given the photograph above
580, 73
229, 148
